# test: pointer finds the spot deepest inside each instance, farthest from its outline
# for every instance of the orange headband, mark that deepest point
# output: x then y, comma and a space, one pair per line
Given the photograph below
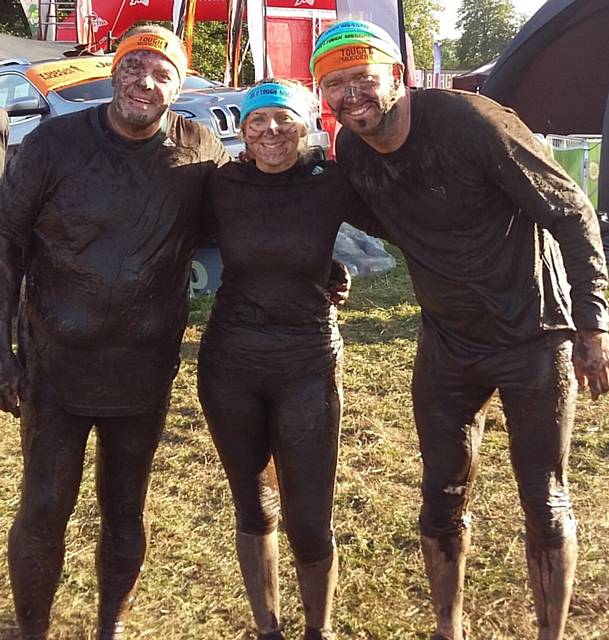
350, 55
169, 48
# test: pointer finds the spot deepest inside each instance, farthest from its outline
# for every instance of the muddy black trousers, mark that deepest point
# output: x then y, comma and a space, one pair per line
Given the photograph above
537, 387
277, 439
53, 444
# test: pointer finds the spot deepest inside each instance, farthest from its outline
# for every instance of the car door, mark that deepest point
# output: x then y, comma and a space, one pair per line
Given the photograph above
15, 88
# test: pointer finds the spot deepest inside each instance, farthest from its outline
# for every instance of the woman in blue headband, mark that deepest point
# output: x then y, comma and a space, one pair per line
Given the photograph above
270, 358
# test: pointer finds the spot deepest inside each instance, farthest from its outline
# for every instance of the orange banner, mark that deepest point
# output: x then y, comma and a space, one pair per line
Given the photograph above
68, 72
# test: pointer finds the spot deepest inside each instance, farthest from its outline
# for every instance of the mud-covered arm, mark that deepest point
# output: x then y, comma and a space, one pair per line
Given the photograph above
543, 191
213, 156
209, 227
537, 185
21, 190
9, 368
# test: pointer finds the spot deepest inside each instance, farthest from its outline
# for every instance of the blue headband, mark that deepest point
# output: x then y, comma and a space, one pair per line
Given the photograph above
271, 94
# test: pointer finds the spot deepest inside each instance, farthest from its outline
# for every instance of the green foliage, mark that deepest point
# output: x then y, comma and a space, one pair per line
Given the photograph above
487, 26
12, 19
209, 49
209, 52
422, 25
450, 59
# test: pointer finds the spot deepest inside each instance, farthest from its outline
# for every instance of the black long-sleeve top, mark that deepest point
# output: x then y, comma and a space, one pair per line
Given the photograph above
276, 233
501, 244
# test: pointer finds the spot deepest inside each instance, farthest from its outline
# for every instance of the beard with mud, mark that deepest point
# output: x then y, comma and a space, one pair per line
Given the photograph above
389, 115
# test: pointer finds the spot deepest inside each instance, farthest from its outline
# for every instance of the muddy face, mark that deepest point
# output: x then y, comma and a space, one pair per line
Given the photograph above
272, 136
362, 97
145, 84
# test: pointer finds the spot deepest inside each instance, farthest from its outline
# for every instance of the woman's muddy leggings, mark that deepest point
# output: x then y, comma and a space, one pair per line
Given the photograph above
537, 387
296, 422
53, 445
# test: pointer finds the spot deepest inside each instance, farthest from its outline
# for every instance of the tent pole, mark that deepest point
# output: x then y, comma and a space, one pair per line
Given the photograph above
603, 180
402, 31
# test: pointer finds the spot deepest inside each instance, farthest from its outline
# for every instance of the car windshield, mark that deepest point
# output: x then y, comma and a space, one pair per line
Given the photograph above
102, 89
94, 90
192, 83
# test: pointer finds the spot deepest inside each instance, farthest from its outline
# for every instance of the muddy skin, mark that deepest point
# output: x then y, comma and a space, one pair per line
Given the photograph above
142, 74
591, 360
386, 103
479, 212
269, 366
105, 299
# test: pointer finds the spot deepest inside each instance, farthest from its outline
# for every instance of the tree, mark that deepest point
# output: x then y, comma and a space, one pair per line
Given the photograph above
12, 19
487, 26
209, 52
422, 25
209, 49
450, 59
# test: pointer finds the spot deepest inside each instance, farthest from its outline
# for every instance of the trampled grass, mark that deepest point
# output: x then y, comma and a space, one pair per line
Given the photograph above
191, 587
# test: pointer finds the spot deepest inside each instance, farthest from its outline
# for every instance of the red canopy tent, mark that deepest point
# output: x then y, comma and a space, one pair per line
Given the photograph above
114, 17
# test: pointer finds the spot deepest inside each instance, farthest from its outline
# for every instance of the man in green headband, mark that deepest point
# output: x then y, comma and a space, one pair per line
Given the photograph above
486, 222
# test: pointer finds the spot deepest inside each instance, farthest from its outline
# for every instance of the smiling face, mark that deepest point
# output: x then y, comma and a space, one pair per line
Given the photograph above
362, 97
272, 136
145, 84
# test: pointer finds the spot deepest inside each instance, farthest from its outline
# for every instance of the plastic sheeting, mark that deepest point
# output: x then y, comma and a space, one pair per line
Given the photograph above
362, 254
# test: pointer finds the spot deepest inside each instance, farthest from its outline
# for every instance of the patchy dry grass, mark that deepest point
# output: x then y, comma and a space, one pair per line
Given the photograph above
191, 587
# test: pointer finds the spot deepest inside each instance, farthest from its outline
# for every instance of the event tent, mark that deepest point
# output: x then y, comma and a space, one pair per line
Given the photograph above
474, 80
555, 72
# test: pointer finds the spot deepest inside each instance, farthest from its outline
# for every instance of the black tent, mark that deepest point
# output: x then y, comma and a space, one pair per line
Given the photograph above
474, 80
555, 74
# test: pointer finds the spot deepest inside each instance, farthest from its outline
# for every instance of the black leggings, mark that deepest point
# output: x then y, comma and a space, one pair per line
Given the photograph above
537, 387
53, 444
254, 418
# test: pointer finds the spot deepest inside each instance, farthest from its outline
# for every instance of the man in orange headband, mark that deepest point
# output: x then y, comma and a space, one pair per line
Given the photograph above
486, 222
107, 204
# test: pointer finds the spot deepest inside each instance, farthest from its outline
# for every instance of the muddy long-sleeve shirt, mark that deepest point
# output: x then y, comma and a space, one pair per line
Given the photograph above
501, 244
109, 228
276, 233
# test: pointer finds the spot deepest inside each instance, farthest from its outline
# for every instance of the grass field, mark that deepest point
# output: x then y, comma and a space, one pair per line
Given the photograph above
191, 588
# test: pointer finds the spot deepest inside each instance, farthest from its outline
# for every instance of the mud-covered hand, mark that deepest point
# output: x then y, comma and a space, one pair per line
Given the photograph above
591, 360
10, 378
339, 284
